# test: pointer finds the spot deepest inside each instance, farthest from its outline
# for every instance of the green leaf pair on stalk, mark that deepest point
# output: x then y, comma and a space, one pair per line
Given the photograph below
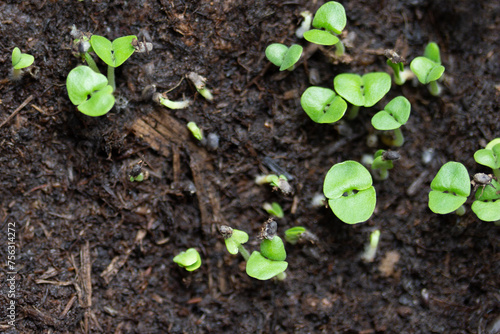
428, 68
452, 186
87, 88
19, 62
265, 264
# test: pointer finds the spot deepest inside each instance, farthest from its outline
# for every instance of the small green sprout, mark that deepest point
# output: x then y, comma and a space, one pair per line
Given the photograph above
189, 260
83, 82
273, 209
490, 156
322, 105
396, 62
195, 130
282, 56
428, 68
363, 90
450, 189
234, 240
487, 203
277, 182
382, 162
113, 53
330, 17
394, 115
371, 248
19, 61
351, 196
137, 173
163, 100
293, 235
199, 83
270, 261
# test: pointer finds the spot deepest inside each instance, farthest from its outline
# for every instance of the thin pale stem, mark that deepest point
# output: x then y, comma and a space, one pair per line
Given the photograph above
399, 139
434, 88
339, 49
353, 112
91, 63
111, 77
460, 211
243, 251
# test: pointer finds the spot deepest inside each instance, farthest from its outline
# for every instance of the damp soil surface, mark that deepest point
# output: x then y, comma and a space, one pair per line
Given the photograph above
93, 251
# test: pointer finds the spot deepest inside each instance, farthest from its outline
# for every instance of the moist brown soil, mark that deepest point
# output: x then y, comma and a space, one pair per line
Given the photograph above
94, 251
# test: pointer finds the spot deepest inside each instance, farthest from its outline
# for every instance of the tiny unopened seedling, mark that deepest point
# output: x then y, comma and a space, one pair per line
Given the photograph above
195, 130
362, 91
283, 56
234, 240
137, 174
351, 196
394, 115
372, 246
274, 209
163, 100
397, 63
428, 68
19, 62
490, 156
199, 83
450, 189
322, 105
189, 260
487, 197
329, 21
305, 25
277, 182
382, 162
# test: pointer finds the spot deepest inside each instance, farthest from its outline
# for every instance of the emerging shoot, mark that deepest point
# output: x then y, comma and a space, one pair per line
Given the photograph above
371, 248
382, 162
19, 62
189, 260
163, 100
277, 182
199, 83
274, 209
195, 130
306, 24
396, 62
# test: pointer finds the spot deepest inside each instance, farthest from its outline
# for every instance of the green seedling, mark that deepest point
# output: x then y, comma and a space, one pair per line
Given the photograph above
394, 115
199, 83
382, 162
266, 264
277, 182
293, 235
189, 260
19, 62
234, 240
322, 105
490, 156
396, 62
450, 189
274, 209
89, 91
282, 56
195, 130
137, 174
164, 101
362, 91
351, 196
487, 199
270, 261
371, 248
113, 53
428, 68
330, 17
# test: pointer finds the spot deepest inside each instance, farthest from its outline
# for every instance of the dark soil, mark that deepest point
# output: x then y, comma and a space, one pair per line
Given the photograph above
94, 251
